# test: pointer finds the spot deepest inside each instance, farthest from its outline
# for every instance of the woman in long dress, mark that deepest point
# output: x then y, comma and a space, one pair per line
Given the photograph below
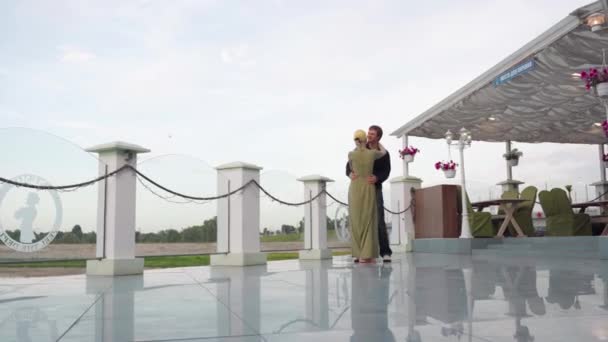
362, 200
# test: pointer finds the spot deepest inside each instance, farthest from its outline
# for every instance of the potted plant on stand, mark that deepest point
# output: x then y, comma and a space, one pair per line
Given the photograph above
449, 168
605, 127
605, 159
513, 157
408, 153
597, 79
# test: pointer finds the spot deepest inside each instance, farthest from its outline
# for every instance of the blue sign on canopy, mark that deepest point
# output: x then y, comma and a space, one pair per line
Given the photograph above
516, 71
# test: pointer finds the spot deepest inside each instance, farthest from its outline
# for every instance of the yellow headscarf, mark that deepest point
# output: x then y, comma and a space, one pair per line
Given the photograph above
361, 135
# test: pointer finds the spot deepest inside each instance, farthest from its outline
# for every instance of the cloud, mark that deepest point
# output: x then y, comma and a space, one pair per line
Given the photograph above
314, 73
75, 55
77, 125
238, 54
7, 113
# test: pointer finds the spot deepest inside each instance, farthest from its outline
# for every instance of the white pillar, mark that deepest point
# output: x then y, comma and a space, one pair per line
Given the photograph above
601, 187
602, 165
465, 231
116, 212
315, 219
402, 227
509, 167
238, 217
406, 167
510, 184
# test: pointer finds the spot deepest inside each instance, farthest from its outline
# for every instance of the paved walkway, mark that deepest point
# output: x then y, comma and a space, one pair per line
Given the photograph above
418, 297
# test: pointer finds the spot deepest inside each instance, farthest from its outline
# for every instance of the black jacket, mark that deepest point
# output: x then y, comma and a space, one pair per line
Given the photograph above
382, 169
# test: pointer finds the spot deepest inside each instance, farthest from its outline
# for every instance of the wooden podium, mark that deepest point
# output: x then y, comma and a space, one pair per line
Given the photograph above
437, 212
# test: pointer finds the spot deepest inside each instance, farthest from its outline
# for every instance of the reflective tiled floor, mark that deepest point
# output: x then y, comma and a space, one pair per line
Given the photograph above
418, 297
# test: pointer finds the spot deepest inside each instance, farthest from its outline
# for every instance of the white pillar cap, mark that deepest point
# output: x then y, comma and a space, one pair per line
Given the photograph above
315, 178
117, 146
238, 165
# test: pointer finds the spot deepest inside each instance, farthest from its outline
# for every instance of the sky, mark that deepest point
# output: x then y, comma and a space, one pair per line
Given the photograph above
278, 83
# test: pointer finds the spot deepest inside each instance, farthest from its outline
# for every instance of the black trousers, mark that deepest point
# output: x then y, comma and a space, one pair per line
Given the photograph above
385, 248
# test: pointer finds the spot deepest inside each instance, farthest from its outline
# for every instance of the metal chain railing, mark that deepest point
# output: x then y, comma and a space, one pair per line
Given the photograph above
189, 198
292, 204
69, 187
387, 210
169, 199
400, 212
196, 198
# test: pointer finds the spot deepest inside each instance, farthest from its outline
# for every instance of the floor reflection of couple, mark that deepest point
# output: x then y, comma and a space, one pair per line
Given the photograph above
370, 299
519, 287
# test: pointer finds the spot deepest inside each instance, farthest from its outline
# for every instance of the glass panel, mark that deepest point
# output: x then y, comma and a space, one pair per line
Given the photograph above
46, 224
338, 229
172, 225
281, 226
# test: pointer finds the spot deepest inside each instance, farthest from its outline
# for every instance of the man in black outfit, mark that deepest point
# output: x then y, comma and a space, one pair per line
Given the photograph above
382, 169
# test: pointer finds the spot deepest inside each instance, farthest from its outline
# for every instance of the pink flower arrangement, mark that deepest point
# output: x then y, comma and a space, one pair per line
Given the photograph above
411, 150
605, 157
594, 76
605, 127
445, 166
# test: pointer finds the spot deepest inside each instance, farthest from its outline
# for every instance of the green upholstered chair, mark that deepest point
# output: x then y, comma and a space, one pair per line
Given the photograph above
561, 221
511, 194
480, 222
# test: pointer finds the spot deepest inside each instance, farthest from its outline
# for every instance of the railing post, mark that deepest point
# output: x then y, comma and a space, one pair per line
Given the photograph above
116, 211
402, 232
238, 217
315, 219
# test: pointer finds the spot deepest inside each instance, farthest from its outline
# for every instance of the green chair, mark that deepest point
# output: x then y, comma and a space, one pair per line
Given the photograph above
480, 222
523, 213
561, 221
510, 194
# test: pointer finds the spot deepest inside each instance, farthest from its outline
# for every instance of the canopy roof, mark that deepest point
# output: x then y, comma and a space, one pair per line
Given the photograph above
532, 95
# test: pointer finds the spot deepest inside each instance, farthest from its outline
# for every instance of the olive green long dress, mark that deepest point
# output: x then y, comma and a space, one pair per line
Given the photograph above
362, 206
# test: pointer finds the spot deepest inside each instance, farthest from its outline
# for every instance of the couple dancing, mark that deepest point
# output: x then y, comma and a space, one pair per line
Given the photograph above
368, 167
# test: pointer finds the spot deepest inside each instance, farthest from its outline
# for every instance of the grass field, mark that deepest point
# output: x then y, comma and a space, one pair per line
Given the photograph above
155, 261
331, 235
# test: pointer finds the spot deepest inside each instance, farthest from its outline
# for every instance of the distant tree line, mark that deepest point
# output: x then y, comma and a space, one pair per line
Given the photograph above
207, 232
74, 236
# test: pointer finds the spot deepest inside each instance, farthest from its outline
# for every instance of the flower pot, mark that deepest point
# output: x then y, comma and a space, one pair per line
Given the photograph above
606, 164
602, 89
408, 158
513, 162
450, 173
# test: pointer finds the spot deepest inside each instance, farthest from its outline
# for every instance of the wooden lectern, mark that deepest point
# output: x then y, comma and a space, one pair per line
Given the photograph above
437, 212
